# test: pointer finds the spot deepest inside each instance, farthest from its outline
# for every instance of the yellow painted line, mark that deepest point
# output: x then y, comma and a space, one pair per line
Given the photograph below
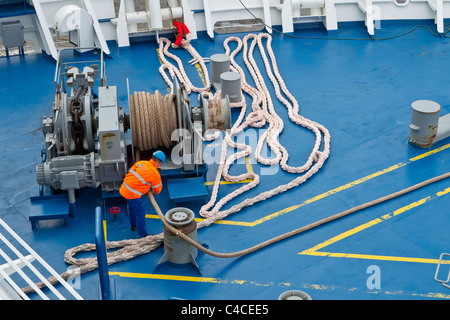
104, 229
164, 277
343, 187
248, 164
159, 58
376, 257
234, 223
201, 74
210, 183
249, 167
204, 279
190, 279
429, 153
216, 144
342, 236
265, 284
314, 250
318, 197
330, 192
348, 185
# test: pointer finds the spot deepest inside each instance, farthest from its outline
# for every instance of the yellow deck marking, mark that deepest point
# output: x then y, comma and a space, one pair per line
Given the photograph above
311, 200
159, 58
314, 250
210, 183
164, 277
351, 184
265, 284
248, 164
429, 153
325, 194
375, 257
319, 197
104, 229
201, 74
234, 223
249, 167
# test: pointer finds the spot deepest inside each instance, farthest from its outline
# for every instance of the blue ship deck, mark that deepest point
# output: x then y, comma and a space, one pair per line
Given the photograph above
360, 90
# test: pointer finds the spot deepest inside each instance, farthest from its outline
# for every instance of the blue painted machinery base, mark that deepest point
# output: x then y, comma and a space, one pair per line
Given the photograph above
49, 207
186, 186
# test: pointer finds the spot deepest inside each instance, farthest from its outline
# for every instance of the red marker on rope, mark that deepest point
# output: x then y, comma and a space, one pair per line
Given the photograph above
182, 30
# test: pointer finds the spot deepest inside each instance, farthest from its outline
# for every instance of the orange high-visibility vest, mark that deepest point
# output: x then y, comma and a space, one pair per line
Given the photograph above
142, 176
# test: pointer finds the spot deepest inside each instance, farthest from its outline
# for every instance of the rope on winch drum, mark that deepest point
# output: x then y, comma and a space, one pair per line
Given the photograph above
154, 119
154, 116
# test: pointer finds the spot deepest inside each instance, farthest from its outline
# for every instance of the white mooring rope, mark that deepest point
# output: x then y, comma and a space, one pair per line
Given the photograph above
263, 112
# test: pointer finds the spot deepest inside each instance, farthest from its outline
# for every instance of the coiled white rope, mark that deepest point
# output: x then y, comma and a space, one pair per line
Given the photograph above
263, 112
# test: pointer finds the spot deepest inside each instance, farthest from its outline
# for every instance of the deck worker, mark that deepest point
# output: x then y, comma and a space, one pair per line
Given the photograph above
143, 177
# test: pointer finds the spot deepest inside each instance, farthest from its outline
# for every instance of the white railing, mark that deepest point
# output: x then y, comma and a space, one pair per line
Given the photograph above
445, 283
9, 289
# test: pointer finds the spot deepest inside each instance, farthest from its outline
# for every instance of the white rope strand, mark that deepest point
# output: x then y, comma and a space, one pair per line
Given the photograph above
179, 71
263, 112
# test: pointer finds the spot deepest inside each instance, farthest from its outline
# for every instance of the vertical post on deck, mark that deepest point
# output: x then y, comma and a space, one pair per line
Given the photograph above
101, 255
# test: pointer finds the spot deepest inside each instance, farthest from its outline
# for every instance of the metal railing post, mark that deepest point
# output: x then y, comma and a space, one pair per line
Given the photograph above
444, 282
101, 255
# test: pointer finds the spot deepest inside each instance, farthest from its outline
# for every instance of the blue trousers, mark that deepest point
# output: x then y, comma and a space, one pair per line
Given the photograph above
136, 214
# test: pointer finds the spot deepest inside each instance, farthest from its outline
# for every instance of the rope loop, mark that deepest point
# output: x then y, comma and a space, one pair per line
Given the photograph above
263, 113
